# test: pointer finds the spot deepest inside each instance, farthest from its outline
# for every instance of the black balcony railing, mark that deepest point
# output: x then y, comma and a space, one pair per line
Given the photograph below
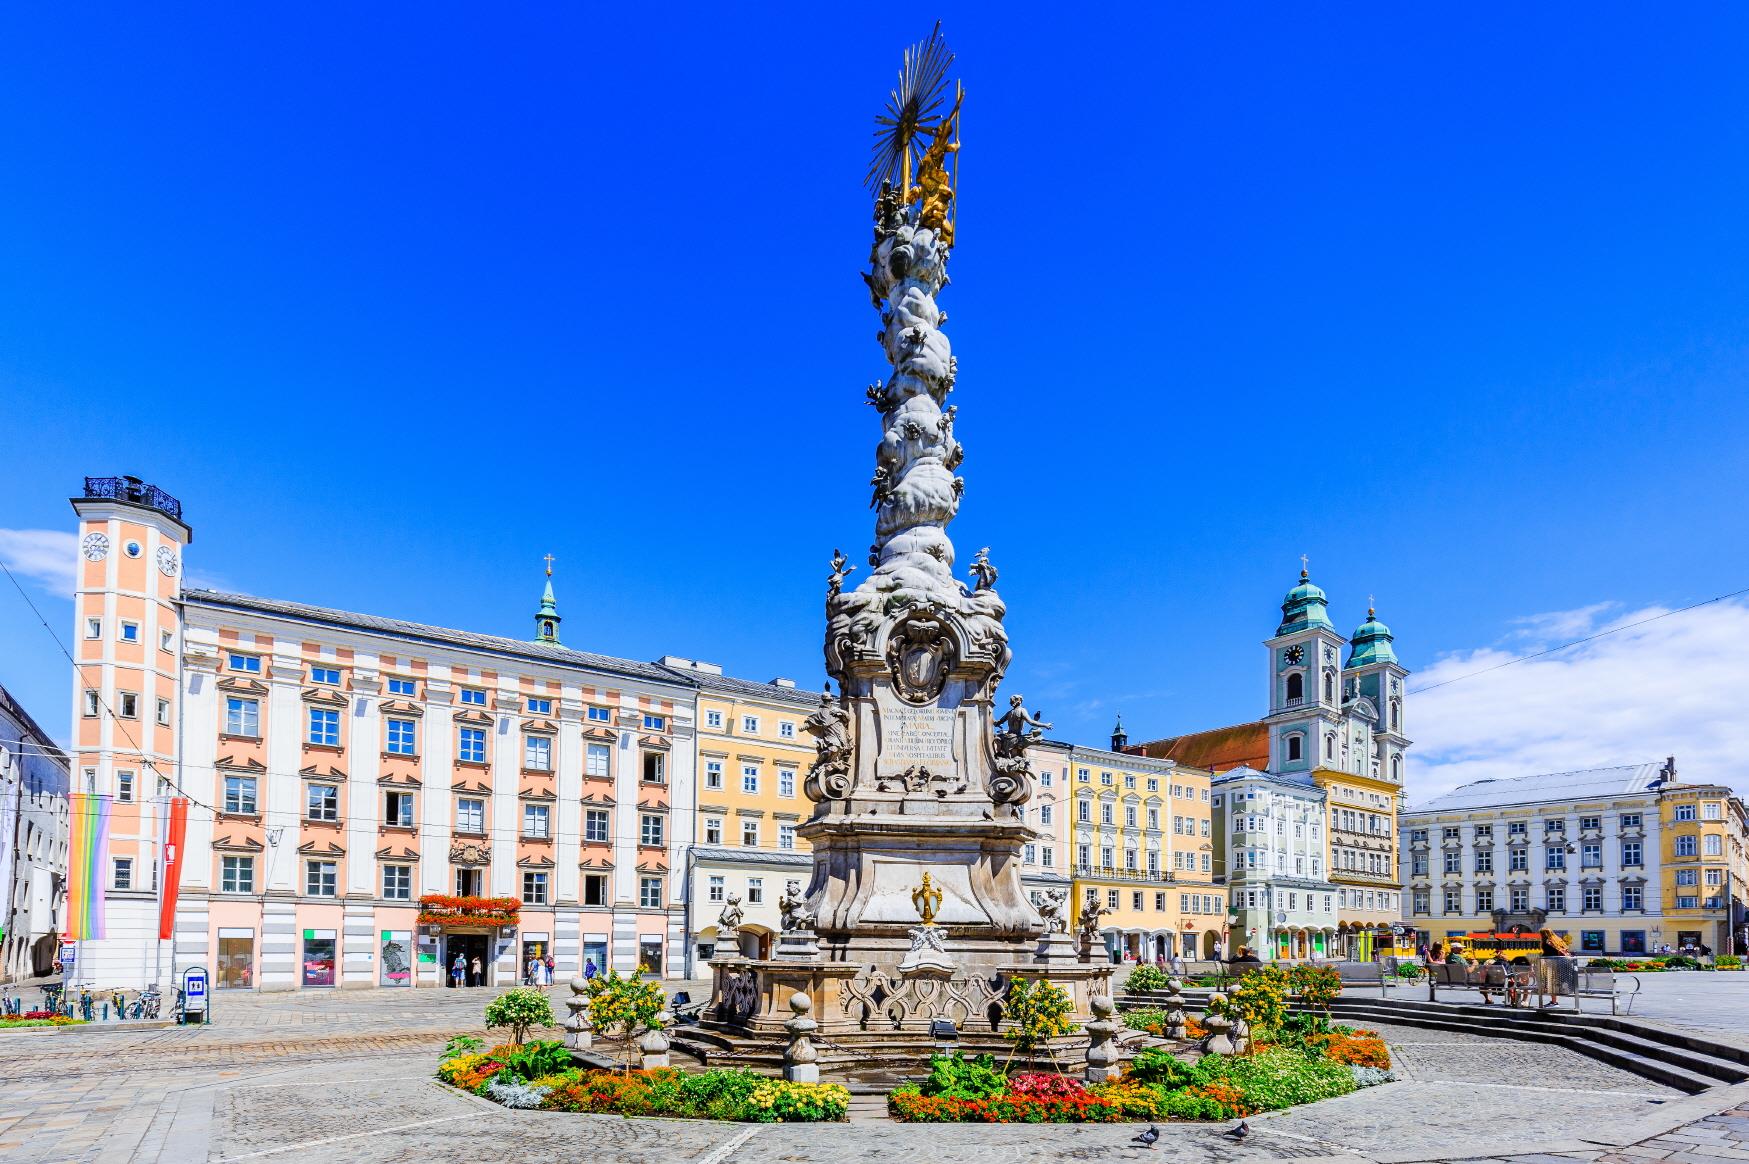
134, 490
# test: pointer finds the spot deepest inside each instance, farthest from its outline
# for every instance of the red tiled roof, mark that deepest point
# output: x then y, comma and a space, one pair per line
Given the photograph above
1219, 750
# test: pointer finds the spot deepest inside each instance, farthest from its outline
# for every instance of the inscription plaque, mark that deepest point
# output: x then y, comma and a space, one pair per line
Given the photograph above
916, 735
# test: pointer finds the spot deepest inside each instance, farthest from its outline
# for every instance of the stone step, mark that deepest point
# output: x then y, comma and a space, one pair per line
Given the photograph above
867, 1107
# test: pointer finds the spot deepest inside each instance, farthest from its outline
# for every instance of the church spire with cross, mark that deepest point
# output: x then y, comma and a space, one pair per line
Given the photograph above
546, 620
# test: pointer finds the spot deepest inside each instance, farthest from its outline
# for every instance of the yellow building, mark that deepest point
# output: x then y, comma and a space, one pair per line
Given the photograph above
1362, 857
1141, 844
1705, 861
752, 756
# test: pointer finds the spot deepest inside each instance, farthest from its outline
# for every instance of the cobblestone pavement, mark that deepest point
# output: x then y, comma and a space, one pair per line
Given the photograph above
347, 1076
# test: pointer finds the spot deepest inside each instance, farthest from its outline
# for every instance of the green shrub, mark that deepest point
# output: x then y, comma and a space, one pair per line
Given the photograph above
1727, 962
531, 1061
1039, 1011
1145, 977
1681, 962
1185, 1105
1156, 1065
1150, 1019
520, 1008
956, 1077
1411, 971
462, 1045
1279, 1078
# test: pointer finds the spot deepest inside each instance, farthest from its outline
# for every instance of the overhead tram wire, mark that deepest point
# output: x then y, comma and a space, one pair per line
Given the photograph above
1578, 642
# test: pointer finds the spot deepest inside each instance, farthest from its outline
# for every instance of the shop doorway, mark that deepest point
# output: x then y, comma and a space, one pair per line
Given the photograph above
470, 947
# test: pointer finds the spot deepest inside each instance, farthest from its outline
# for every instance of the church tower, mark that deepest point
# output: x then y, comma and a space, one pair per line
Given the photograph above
546, 619
1305, 683
1375, 675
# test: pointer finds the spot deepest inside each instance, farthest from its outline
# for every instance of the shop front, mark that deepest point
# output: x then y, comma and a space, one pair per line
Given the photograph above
321, 957
395, 958
235, 968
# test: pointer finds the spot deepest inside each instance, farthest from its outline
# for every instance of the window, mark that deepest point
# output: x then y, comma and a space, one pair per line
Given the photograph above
328, 675
470, 815
1714, 845
1710, 810
1329, 688
166, 640
537, 753
130, 632
601, 714
1484, 901
713, 719
537, 821
1083, 855
1105, 856
324, 727
1454, 861
1050, 856
398, 882
1330, 745
1105, 814
786, 836
1688, 877
716, 889
130, 705
1590, 823
534, 887
322, 802
1633, 897
1557, 898
90, 702
595, 824
750, 833
1296, 747
1083, 775
164, 712
1593, 898
1591, 941
538, 706
321, 878
1045, 812
1630, 820
650, 892
1296, 687
750, 778
749, 725
1520, 900
713, 775
1419, 901
401, 737
403, 687
786, 782
595, 889
1630, 853
650, 829
1418, 865
1518, 861
1591, 855
1685, 847
1454, 901
398, 809
655, 767
473, 697
1129, 781
596, 762
240, 795
1484, 860
1111, 899
242, 717
1084, 812
786, 730
713, 830
1105, 779
122, 875
1685, 812
755, 890
655, 723
1557, 825
472, 746
1129, 816
1687, 902
236, 874
1136, 899
247, 664
94, 628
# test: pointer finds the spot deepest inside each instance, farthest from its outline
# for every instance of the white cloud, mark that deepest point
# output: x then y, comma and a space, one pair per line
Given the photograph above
1671, 687
48, 557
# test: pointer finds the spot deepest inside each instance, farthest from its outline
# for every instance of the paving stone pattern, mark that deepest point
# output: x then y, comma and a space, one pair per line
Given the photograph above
347, 1077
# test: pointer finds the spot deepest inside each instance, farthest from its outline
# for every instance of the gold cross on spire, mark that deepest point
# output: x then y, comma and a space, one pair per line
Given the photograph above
1305, 562
1369, 610
549, 561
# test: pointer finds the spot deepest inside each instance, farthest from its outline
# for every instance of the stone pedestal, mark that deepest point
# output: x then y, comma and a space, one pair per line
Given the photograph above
798, 945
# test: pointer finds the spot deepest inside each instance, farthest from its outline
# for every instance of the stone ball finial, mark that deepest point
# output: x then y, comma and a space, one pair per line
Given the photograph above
800, 1002
1101, 1006
579, 986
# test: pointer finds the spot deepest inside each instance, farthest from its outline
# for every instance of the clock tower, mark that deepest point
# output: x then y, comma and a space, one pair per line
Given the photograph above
127, 639
1305, 682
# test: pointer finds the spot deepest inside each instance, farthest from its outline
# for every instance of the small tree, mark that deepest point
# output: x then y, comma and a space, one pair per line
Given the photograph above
1040, 1012
521, 1008
1260, 998
1146, 976
624, 1007
1317, 986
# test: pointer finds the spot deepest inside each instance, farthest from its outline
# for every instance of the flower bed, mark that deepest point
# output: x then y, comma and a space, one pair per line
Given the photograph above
1158, 1087
438, 908
531, 1076
38, 1018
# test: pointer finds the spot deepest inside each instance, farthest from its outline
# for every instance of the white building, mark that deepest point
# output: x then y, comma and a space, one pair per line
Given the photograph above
1270, 839
33, 844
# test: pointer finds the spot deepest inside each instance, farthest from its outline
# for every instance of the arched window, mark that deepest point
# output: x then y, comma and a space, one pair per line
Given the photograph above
1296, 687
1397, 768
1330, 746
1294, 743
1396, 715
1329, 687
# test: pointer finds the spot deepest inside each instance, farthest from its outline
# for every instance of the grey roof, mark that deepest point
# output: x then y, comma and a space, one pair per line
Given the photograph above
801, 697
399, 628
1586, 784
735, 856
1242, 772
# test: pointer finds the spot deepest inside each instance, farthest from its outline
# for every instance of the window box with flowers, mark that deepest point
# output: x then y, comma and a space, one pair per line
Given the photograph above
437, 909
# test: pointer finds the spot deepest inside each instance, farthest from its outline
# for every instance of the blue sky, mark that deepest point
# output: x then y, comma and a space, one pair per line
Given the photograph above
397, 301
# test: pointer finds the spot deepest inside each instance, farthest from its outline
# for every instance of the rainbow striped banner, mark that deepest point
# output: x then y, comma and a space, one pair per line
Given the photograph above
87, 857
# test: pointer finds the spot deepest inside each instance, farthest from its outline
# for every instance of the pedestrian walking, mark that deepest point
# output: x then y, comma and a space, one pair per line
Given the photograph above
549, 970
478, 978
588, 968
458, 970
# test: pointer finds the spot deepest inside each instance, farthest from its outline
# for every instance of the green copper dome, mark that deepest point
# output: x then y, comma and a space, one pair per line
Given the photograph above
1304, 608
1371, 643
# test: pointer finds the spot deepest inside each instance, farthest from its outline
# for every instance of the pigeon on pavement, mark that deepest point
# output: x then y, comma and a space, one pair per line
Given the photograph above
1239, 1131
1146, 1139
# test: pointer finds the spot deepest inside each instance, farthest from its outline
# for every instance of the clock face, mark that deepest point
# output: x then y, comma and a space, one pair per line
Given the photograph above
167, 560
96, 547
1296, 654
